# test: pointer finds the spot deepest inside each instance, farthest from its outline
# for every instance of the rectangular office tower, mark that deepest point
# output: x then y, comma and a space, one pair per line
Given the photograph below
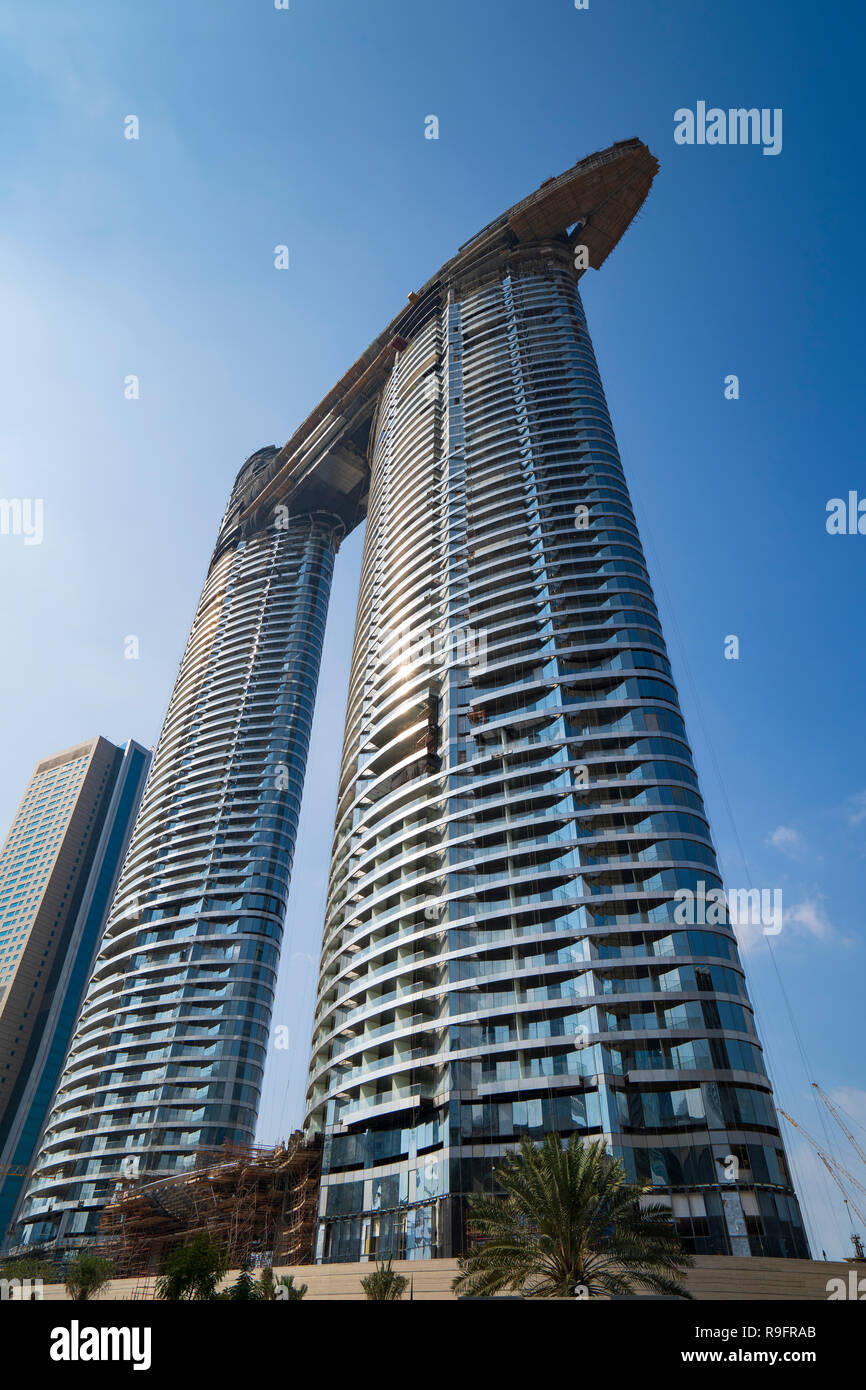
58, 870
517, 806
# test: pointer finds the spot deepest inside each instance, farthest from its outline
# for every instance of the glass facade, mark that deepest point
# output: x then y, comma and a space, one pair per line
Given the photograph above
517, 808
58, 870
170, 1047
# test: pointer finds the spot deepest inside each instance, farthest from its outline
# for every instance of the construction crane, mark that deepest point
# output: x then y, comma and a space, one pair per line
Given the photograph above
832, 1165
838, 1118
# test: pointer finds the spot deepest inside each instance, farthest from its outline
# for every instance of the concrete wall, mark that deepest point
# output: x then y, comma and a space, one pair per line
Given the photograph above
714, 1277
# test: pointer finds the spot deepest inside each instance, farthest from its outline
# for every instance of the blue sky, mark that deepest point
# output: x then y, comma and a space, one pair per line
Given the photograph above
305, 127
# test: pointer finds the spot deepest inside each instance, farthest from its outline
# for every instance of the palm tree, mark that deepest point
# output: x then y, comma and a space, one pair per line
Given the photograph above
288, 1290
385, 1285
193, 1270
570, 1225
87, 1275
31, 1267
245, 1289
283, 1289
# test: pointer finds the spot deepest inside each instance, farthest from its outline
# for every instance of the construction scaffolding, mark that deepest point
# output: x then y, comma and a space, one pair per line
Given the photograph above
259, 1203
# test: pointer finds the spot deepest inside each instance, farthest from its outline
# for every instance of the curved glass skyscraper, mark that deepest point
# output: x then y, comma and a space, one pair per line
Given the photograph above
505, 951
170, 1046
518, 807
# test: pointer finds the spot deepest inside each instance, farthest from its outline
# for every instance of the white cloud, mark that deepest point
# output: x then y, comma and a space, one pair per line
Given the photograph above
810, 915
749, 935
788, 840
805, 919
857, 808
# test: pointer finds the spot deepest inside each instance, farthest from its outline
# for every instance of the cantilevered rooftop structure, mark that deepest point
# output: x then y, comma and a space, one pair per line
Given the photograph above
517, 804
326, 462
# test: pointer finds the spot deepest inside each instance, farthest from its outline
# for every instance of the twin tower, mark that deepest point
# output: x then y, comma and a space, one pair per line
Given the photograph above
517, 804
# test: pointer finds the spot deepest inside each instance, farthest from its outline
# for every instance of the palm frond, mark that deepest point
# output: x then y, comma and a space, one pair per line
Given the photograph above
569, 1219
